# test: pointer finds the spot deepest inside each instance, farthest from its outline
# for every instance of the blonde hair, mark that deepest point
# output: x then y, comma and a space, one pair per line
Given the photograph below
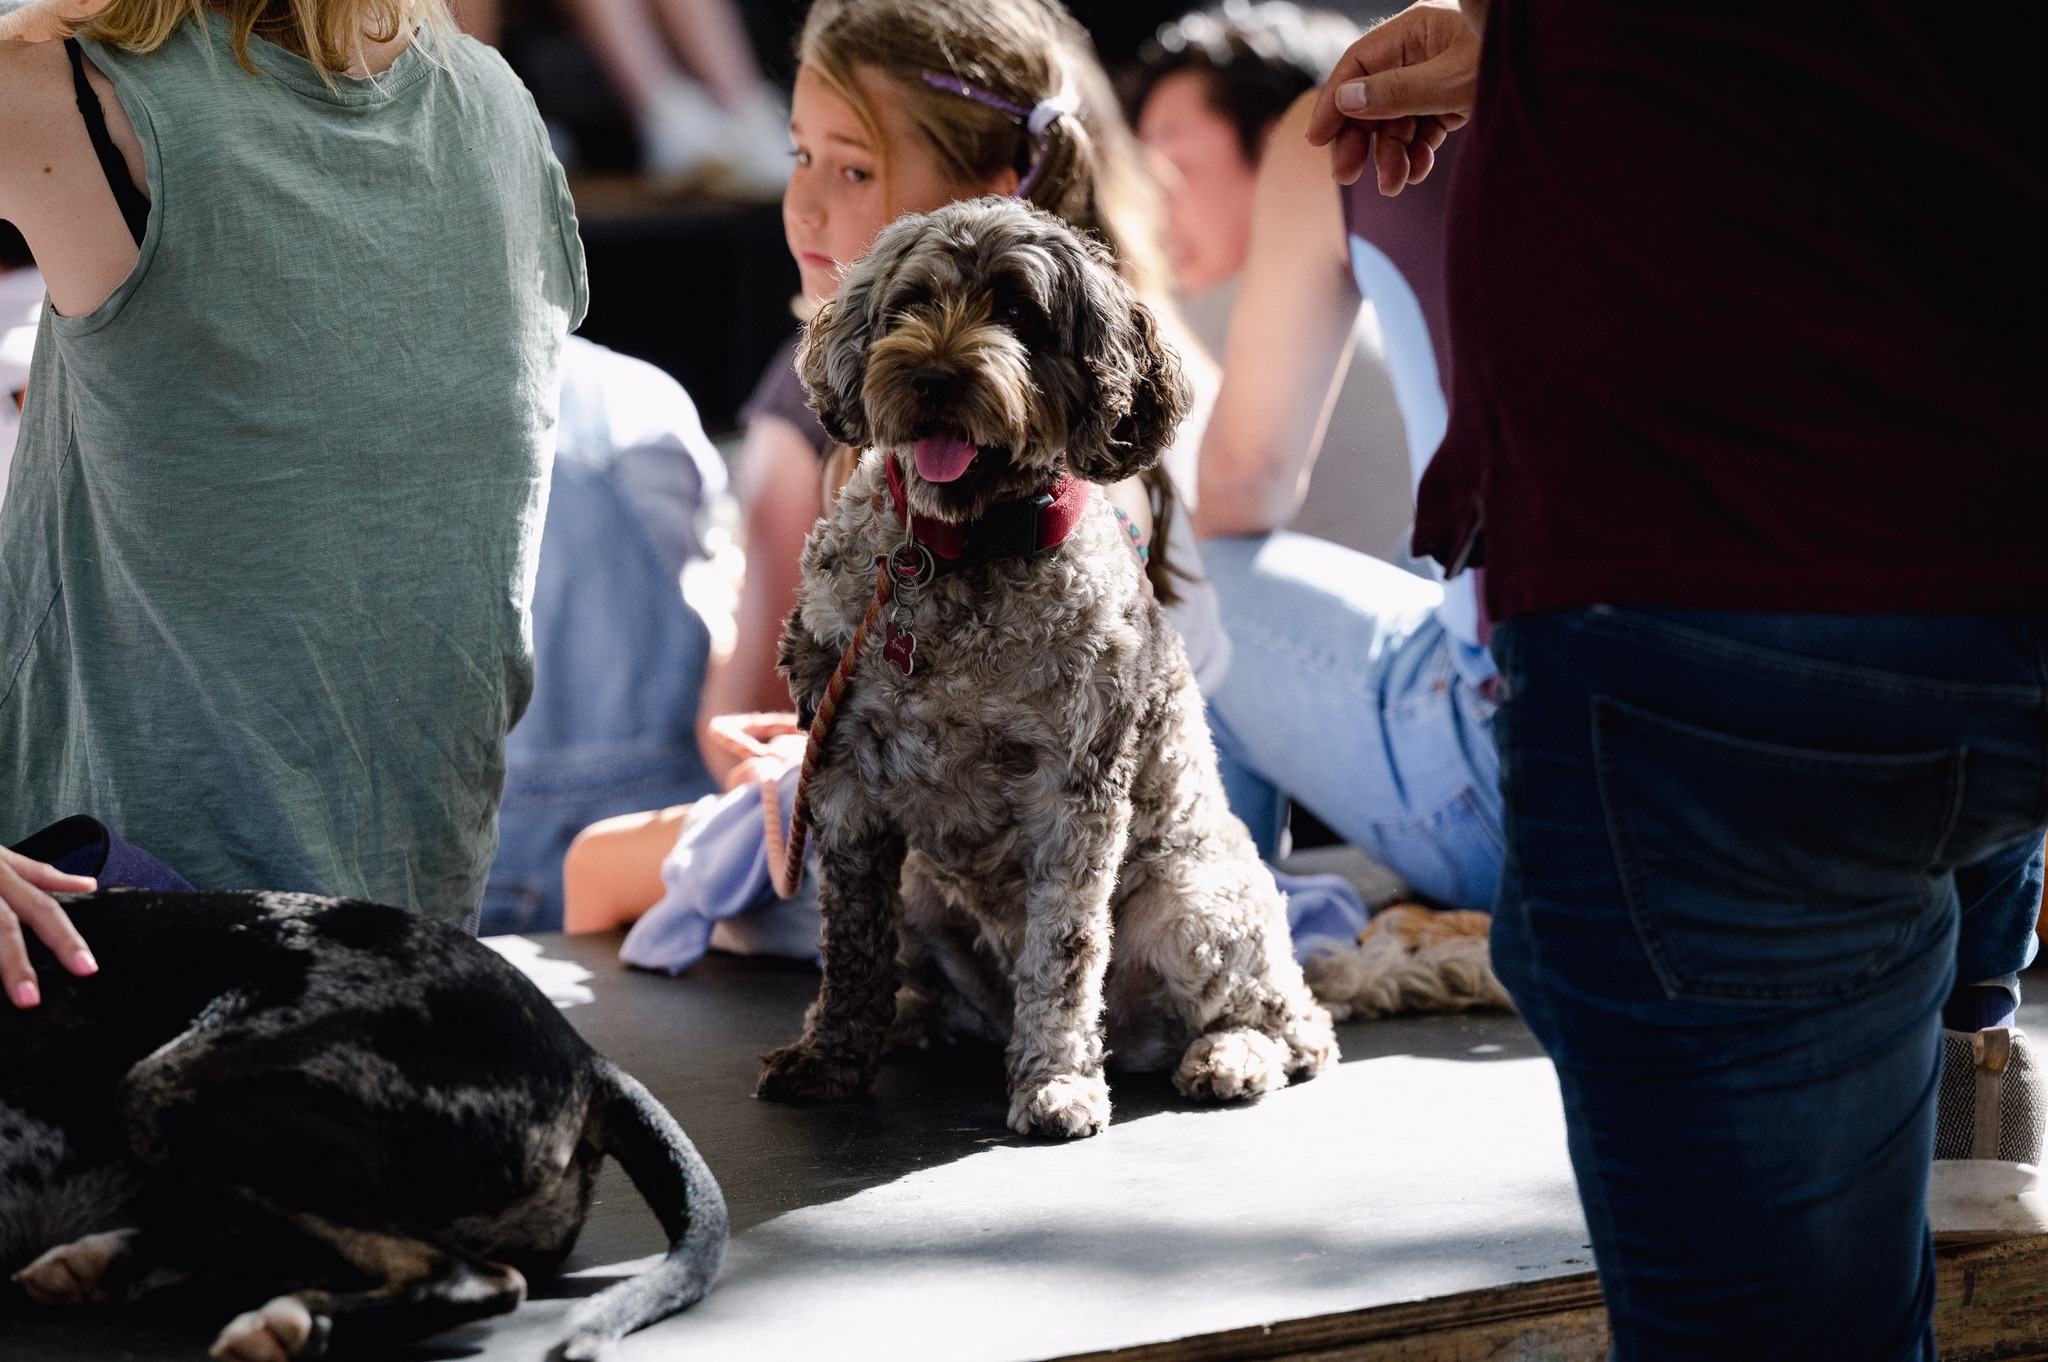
1090, 171
328, 33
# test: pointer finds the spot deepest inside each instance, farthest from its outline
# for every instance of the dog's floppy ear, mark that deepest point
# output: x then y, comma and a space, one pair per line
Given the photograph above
1140, 392
832, 362
832, 358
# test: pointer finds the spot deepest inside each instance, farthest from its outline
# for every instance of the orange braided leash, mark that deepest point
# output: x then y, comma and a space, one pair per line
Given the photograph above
786, 859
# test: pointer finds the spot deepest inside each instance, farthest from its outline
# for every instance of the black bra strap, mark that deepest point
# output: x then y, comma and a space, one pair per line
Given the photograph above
133, 202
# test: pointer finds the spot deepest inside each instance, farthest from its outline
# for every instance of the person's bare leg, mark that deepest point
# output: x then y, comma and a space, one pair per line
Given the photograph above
714, 46
623, 37
612, 874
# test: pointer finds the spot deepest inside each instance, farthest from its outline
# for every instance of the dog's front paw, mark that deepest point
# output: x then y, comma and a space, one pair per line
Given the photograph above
1066, 1107
281, 1330
1225, 1065
74, 1273
799, 1073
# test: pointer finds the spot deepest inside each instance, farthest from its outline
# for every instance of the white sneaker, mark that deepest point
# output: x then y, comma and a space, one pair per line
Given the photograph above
757, 146
1991, 1115
682, 134
690, 142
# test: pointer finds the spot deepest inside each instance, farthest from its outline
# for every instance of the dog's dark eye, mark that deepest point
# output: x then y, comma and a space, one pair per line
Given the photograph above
1012, 306
1019, 313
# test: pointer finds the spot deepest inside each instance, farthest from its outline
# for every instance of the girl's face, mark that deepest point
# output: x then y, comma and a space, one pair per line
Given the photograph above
837, 200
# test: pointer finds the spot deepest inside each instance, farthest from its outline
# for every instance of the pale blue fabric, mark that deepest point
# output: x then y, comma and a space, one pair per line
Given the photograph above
1323, 912
619, 656
718, 891
1425, 414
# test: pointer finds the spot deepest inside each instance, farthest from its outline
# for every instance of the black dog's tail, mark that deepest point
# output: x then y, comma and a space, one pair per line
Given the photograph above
638, 1131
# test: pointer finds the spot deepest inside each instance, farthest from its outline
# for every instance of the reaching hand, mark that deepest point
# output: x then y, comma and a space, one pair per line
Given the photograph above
766, 744
25, 888
1397, 93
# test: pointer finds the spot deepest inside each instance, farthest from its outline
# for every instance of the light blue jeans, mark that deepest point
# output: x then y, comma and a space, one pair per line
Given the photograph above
1347, 693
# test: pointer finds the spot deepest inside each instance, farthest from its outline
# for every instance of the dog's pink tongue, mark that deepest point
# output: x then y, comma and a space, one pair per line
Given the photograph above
943, 458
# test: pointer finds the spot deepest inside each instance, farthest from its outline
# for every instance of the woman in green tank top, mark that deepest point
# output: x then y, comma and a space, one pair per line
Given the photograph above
271, 526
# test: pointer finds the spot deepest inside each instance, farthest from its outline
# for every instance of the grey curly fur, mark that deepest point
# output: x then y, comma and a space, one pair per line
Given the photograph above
1045, 781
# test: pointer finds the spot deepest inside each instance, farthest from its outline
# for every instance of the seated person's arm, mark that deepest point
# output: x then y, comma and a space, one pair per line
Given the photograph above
1291, 339
780, 480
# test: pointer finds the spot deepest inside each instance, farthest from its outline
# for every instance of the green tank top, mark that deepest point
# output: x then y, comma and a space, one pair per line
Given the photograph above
271, 532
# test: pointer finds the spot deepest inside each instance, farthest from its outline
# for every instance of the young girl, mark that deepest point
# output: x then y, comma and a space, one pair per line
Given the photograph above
270, 527
902, 106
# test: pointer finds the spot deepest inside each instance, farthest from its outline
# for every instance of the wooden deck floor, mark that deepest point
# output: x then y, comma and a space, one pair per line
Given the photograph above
1415, 1203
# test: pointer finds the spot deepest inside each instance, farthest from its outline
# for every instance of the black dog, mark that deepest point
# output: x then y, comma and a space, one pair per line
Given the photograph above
365, 1118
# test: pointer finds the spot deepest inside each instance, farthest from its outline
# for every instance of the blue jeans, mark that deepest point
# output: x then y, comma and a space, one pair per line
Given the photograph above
618, 667
1738, 849
1347, 693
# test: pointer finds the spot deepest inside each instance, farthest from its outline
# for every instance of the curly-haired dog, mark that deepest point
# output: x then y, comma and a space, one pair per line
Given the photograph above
1032, 776
368, 1119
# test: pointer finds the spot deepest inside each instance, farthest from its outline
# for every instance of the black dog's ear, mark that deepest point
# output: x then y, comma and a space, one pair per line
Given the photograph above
1140, 394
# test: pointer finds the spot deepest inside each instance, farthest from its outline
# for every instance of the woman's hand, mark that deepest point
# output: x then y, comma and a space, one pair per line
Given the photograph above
25, 889
1397, 93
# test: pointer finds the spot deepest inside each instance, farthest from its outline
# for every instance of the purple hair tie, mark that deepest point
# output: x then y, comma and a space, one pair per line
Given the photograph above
1038, 119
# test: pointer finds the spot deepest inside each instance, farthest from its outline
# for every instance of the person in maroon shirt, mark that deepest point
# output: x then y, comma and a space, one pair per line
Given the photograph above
1744, 429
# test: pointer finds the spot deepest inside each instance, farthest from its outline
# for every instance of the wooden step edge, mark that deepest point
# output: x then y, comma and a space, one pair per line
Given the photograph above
1991, 1305
1533, 1300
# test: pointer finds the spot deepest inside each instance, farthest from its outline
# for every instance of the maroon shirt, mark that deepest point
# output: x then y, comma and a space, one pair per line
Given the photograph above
1746, 305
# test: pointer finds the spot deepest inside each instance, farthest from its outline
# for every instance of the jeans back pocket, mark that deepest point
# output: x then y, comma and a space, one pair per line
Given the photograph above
1761, 873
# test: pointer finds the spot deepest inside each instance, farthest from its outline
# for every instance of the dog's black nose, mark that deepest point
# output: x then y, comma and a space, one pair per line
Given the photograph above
935, 384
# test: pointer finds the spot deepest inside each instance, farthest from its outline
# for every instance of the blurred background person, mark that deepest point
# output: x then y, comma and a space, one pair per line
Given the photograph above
1370, 700
1204, 96
687, 74
618, 653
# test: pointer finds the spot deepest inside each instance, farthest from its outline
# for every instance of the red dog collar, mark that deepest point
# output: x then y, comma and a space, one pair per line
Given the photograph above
1014, 529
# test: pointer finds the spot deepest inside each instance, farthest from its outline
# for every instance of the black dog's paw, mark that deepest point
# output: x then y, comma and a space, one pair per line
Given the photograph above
799, 1073
88, 1270
284, 1328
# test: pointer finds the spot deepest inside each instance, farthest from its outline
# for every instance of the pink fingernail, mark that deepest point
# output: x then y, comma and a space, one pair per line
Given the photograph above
83, 964
27, 994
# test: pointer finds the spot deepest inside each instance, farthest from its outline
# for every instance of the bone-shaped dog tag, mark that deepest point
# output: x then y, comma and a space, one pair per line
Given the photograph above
899, 646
